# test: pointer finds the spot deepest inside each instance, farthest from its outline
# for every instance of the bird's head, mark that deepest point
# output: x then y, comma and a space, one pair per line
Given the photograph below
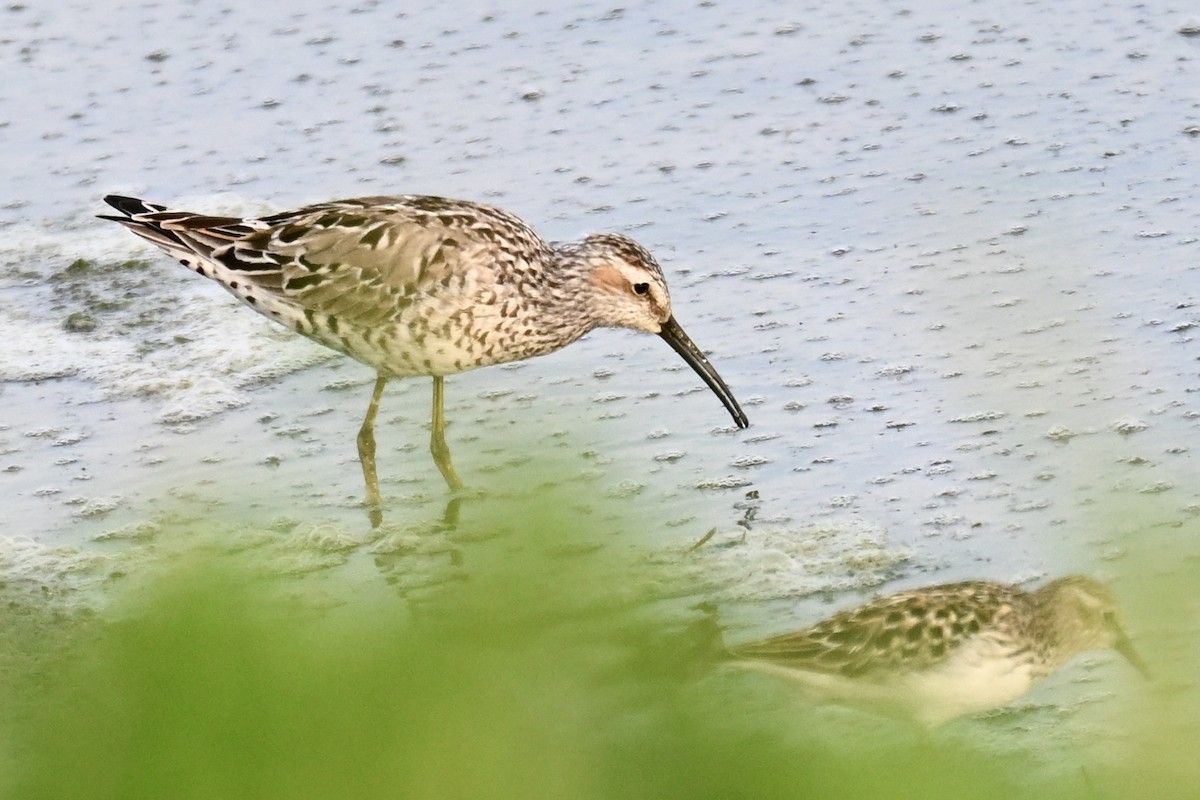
627, 285
626, 289
1086, 617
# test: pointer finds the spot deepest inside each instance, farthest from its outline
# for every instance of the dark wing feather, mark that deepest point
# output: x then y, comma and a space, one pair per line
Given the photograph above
906, 631
362, 258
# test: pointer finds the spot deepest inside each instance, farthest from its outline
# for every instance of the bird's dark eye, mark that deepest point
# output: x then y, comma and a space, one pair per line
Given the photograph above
641, 288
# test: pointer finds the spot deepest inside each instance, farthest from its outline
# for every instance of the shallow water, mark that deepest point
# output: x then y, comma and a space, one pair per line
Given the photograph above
945, 257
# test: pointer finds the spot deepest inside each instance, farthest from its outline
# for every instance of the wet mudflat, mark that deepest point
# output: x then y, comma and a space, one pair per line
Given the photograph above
946, 258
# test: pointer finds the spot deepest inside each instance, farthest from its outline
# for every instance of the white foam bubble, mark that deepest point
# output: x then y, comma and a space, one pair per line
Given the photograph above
38, 349
151, 328
779, 562
36, 572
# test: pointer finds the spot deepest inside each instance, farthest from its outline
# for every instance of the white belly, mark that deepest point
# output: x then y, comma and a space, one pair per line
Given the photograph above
976, 677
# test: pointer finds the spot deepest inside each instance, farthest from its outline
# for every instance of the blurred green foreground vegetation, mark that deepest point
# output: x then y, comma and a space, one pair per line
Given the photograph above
527, 679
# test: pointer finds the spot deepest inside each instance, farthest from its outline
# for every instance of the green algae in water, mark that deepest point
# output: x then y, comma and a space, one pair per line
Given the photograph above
530, 678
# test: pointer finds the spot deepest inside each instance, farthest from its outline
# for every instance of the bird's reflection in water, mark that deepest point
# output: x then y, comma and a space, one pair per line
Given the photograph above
433, 540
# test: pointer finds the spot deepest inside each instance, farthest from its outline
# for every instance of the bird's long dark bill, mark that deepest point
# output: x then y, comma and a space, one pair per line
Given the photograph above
1125, 648
692, 355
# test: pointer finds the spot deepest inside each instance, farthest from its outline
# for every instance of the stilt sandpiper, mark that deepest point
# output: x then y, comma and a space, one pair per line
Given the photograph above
414, 285
940, 652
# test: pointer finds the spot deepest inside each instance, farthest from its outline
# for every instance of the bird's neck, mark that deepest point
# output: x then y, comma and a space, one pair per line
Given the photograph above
566, 283
1063, 633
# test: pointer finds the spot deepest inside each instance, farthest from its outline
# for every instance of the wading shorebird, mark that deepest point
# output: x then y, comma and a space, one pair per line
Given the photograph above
938, 653
416, 285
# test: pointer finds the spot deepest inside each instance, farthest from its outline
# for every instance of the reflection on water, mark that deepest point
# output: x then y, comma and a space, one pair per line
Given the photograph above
940, 652
518, 649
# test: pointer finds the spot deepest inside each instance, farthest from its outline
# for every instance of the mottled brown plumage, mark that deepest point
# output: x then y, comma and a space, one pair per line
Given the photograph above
942, 651
416, 285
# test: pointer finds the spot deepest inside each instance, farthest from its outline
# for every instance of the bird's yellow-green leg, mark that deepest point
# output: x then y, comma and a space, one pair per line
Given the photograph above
437, 439
366, 454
